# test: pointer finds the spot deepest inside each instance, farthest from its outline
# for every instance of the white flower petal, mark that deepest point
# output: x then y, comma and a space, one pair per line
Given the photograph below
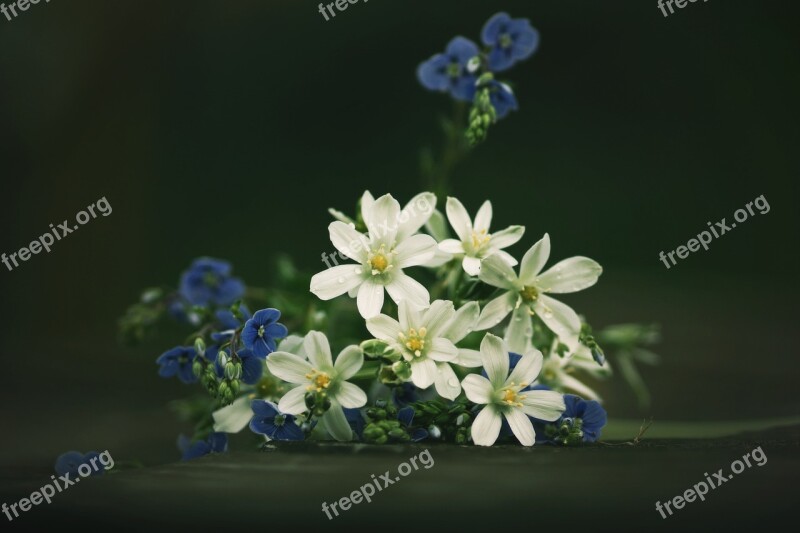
478, 389
383, 327
288, 367
484, 217
294, 401
349, 361
534, 260
495, 359
471, 265
459, 219
336, 281
442, 349
367, 201
437, 316
318, 351
468, 358
292, 344
409, 316
497, 273
520, 330
414, 251
234, 417
507, 237
543, 404
496, 310
404, 288
350, 396
527, 369
437, 225
570, 275
486, 427
447, 384
336, 424
423, 372
463, 322
415, 214
560, 318
452, 246
507, 257
370, 298
521, 426
383, 221
348, 241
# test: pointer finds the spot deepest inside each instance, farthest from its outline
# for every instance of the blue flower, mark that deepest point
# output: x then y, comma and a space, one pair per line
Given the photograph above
582, 421
209, 281
260, 332
449, 72
228, 322
356, 421
272, 423
511, 40
70, 462
216, 443
502, 98
178, 361
405, 394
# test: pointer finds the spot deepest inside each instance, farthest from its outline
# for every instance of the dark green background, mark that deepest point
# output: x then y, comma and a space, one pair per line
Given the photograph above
227, 129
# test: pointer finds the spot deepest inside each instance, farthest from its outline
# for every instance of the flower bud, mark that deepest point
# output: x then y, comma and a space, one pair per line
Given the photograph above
200, 347
222, 358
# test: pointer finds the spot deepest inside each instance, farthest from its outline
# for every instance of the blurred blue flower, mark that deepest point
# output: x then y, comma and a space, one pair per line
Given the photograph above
356, 421
178, 361
216, 443
511, 40
70, 462
406, 417
405, 394
261, 331
228, 322
502, 98
268, 421
209, 281
449, 71
592, 414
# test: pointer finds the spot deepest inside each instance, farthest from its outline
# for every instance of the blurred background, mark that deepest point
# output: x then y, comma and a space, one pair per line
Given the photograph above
228, 129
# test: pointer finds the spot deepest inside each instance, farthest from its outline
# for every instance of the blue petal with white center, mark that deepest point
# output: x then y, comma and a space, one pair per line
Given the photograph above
511, 41
261, 332
268, 420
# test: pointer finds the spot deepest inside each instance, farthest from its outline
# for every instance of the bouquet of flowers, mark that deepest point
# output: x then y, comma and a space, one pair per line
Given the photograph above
472, 344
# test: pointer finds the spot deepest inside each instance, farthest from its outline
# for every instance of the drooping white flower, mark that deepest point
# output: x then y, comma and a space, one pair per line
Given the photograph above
474, 241
320, 374
558, 371
503, 396
527, 294
423, 338
390, 246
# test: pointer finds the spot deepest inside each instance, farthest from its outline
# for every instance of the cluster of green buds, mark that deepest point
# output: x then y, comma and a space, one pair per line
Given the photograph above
482, 114
568, 431
394, 369
383, 425
317, 402
449, 422
228, 388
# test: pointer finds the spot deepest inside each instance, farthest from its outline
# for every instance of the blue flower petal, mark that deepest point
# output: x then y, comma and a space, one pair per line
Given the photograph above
432, 74
252, 368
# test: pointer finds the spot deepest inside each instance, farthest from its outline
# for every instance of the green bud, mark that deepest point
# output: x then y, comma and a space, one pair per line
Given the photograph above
197, 368
236, 386
377, 349
311, 400
238, 369
151, 295
222, 359
230, 370
223, 389
402, 370
387, 376
200, 346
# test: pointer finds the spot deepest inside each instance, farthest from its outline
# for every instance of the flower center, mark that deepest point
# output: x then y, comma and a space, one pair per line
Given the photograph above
319, 380
380, 261
529, 294
210, 279
480, 239
506, 40
414, 340
454, 70
261, 331
511, 397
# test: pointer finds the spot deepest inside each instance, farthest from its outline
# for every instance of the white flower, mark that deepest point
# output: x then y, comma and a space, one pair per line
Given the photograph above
234, 417
390, 246
526, 295
320, 374
503, 396
425, 340
558, 372
475, 242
